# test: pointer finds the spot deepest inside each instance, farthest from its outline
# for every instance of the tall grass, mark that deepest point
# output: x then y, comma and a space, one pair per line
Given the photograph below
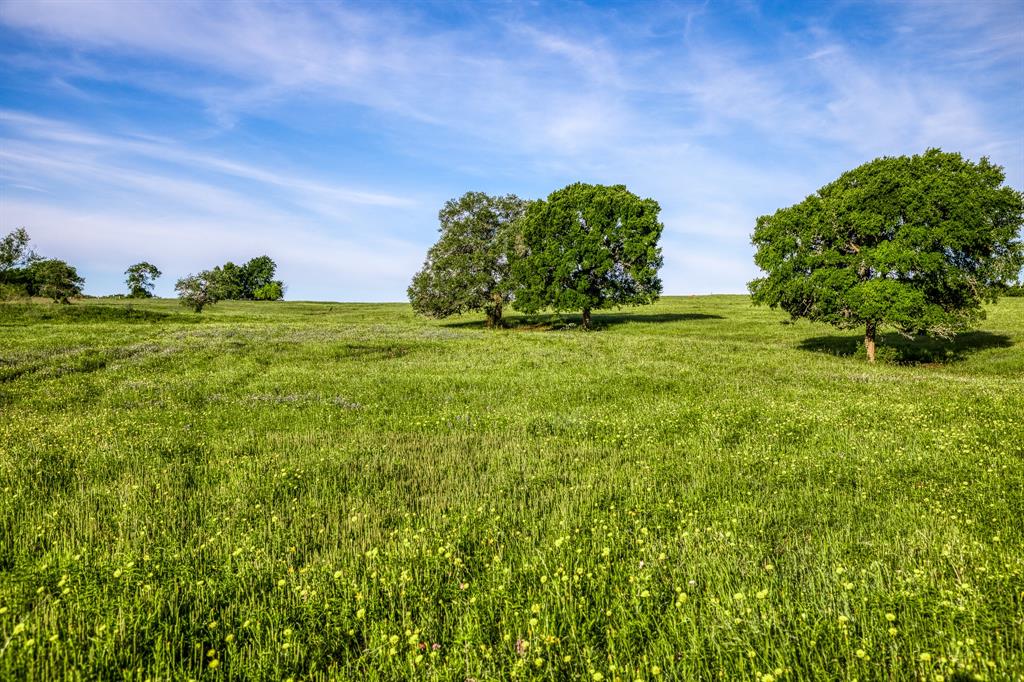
697, 490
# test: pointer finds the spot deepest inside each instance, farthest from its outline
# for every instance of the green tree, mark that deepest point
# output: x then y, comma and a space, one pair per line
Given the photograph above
916, 243
257, 274
15, 252
229, 280
54, 279
198, 291
240, 282
468, 268
16, 256
589, 247
140, 278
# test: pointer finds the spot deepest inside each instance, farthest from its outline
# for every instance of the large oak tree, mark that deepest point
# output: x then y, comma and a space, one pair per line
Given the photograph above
589, 247
917, 244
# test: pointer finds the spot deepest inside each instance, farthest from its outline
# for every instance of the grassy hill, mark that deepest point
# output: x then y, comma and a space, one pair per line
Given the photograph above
697, 490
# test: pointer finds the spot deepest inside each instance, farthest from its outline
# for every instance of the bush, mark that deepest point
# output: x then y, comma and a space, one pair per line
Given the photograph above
271, 291
11, 292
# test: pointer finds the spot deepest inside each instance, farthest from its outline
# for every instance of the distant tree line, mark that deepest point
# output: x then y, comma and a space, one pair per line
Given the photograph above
24, 273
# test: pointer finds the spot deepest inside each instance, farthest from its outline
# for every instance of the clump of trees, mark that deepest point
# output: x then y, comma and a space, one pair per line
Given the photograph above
140, 279
252, 281
585, 247
914, 243
24, 273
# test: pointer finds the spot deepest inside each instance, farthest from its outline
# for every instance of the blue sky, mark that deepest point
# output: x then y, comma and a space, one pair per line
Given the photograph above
328, 135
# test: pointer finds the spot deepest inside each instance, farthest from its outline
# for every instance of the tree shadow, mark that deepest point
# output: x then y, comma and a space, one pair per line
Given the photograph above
898, 349
554, 322
80, 313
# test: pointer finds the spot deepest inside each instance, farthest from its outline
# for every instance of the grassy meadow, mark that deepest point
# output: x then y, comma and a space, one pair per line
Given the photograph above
697, 490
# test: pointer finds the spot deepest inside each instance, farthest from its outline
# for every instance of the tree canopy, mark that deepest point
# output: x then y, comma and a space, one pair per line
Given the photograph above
241, 282
198, 291
271, 291
915, 243
589, 247
25, 273
140, 279
55, 279
468, 268
15, 252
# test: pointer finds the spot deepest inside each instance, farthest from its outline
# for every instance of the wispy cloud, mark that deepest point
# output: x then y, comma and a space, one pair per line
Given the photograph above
69, 135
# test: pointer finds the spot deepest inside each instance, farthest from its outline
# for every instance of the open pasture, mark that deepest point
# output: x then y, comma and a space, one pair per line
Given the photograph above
696, 490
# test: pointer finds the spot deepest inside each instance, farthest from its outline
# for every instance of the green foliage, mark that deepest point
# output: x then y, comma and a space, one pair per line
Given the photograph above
258, 274
54, 279
468, 268
589, 247
16, 255
199, 291
241, 282
229, 281
24, 273
326, 491
10, 291
140, 279
15, 252
917, 243
271, 291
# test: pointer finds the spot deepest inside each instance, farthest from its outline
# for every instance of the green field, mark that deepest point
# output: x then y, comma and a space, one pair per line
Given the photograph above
696, 490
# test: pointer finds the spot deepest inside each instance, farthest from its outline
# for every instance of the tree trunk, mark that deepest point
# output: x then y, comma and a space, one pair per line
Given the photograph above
586, 318
869, 341
494, 315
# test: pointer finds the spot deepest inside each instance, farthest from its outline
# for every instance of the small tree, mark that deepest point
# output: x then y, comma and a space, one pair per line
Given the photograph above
55, 279
468, 268
198, 291
914, 243
589, 247
140, 278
